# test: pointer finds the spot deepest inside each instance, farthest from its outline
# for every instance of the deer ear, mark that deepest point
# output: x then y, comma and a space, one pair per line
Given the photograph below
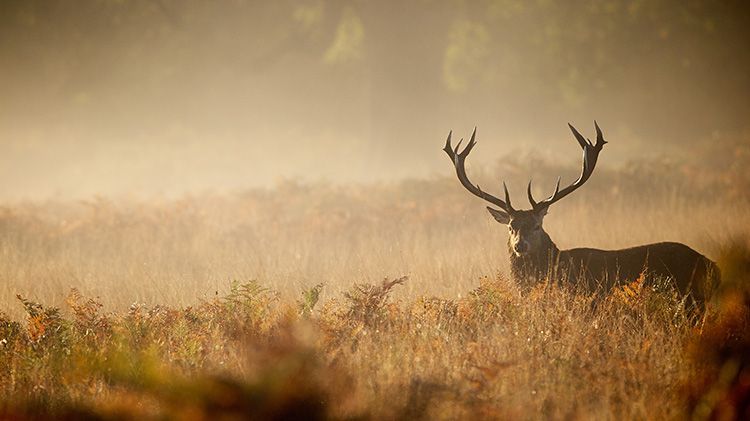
499, 216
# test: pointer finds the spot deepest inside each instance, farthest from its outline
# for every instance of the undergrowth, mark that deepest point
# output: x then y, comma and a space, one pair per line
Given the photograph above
495, 354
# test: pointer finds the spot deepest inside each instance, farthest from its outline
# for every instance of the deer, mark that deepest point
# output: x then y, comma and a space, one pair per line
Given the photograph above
534, 257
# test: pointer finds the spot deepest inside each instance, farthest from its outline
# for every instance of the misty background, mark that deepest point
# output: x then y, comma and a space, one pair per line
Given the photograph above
171, 97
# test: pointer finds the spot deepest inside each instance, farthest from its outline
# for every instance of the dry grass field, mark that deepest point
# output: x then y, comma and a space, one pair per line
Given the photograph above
382, 301
232, 210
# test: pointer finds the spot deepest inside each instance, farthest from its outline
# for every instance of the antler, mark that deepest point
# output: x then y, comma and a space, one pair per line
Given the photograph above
458, 159
590, 155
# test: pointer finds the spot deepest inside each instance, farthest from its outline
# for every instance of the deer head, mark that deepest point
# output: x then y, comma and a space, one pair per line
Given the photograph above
525, 226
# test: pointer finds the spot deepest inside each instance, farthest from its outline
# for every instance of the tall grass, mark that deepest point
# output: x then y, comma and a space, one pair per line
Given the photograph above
296, 236
494, 354
350, 301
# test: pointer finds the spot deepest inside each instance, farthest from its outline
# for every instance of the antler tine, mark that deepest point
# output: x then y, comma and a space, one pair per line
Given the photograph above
599, 136
472, 142
531, 197
507, 198
579, 137
447, 148
590, 156
458, 158
458, 146
557, 187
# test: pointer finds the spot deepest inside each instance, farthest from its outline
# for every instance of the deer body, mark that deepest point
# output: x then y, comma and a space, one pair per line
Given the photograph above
534, 256
602, 270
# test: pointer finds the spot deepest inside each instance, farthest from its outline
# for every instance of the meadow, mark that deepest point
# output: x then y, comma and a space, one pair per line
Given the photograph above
371, 301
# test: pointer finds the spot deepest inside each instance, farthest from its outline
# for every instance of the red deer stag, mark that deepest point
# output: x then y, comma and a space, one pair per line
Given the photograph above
534, 257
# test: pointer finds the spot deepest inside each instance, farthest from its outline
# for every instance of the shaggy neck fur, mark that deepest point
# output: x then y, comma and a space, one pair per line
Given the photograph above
535, 266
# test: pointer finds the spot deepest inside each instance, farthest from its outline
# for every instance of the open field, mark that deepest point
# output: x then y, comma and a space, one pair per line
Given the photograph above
295, 236
241, 209
271, 303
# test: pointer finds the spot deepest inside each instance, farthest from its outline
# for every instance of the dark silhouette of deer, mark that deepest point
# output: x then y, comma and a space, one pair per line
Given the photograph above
534, 256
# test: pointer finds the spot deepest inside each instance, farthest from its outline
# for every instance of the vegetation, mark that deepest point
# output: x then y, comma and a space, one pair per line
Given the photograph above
319, 332
390, 300
493, 354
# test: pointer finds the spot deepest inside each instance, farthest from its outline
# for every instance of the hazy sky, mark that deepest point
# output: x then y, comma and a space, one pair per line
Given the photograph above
172, 96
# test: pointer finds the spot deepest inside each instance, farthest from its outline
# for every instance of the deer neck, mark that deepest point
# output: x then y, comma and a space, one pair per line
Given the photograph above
535, 265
